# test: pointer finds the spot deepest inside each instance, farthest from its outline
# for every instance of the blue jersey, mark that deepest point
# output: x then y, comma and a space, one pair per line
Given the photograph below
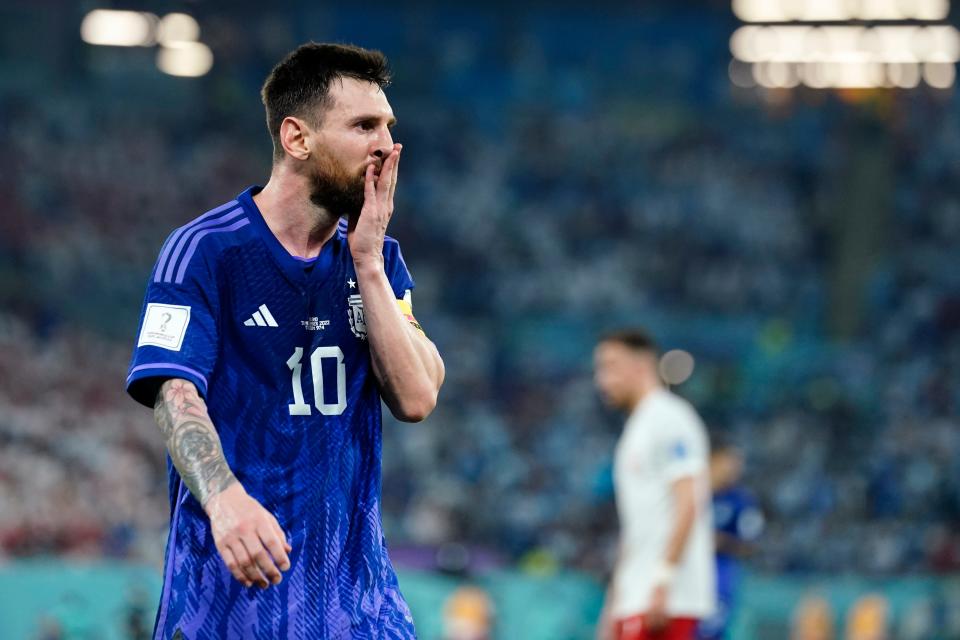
277, 346
736, 515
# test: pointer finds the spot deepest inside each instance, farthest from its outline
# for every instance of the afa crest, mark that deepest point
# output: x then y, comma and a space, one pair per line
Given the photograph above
355, 314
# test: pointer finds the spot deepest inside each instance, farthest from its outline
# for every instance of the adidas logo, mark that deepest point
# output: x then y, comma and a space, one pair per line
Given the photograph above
261, 318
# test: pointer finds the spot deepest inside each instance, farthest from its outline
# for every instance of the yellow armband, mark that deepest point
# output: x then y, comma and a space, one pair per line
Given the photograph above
406, 308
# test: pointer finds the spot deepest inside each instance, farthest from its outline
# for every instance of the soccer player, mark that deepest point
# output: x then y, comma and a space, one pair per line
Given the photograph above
663, 580
738, 523
270, 332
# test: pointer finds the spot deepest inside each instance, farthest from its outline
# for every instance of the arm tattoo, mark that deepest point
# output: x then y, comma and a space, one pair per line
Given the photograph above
191, 439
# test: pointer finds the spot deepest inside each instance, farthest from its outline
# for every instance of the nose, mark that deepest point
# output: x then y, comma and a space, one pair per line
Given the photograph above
384, 144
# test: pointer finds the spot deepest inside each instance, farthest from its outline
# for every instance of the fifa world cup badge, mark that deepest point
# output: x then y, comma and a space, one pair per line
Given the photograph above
355, 315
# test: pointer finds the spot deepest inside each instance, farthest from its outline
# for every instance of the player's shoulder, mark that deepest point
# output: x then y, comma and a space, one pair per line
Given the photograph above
391, 248
675, 406
199, 241
742, 496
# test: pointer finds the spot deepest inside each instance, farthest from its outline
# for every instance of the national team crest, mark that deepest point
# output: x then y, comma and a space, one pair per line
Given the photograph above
355, 314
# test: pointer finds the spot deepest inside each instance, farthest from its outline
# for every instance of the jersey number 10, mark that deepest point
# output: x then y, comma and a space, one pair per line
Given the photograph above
301, 408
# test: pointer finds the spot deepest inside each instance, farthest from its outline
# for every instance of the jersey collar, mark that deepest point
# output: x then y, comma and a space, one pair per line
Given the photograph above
293, 266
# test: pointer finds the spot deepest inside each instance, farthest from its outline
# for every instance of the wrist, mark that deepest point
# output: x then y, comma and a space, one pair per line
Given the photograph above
368, 266
231, 487
664, 574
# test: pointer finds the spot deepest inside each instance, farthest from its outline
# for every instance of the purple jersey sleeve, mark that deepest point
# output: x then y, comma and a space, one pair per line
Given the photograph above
178, 334
396, 269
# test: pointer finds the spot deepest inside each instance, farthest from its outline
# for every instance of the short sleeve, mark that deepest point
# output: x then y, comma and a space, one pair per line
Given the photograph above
683, 446
177, 336
396, 269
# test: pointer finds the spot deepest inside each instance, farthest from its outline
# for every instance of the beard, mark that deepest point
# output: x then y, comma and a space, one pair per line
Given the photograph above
336, 189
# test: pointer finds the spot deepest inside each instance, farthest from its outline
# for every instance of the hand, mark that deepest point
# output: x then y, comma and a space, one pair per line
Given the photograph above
248, 537
656, 618
365, 232
605, 624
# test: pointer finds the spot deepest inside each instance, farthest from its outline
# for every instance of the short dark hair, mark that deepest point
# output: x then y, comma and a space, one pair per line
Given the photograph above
300, 84
723, 443
634, 338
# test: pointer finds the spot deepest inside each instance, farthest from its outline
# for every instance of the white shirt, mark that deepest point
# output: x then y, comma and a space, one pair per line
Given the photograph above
664, 440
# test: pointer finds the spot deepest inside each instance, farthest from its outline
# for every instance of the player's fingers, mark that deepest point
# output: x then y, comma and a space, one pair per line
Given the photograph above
386, 177
282, 535
262, 559
249, 571
393, 182
369, 188
248, 564
275, 546
231, 561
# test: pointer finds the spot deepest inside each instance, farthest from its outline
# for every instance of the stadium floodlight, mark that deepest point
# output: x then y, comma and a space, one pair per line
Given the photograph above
904, 76
676, 366
816, 75
741, 74
186, 59
846, 44
839, 10
119, 28
939, 75
177, 27
759, 11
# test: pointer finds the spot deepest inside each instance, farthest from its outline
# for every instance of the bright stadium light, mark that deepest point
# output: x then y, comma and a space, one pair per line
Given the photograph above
806, 41
889, 44
928, 10
186, 59
759, 11
816, 75
676, 366
904, 76
939, 75
741, 74
177, 27
839, 10
119, 28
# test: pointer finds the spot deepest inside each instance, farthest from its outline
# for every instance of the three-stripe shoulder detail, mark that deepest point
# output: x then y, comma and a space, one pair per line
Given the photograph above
182, 244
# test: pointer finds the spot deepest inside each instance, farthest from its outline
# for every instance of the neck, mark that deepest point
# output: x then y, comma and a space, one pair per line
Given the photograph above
301, 226
645, 386
719, 484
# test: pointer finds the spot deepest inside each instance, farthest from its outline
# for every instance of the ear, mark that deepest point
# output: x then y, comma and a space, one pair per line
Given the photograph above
293, 137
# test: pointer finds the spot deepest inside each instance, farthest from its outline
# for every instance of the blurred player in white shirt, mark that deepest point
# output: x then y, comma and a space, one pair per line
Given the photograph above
664, 579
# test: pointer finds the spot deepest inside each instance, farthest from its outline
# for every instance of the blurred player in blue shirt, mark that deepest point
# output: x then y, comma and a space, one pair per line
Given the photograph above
738, 523
273, 326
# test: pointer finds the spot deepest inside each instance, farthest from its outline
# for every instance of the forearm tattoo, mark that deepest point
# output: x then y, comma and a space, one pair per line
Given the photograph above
191, 439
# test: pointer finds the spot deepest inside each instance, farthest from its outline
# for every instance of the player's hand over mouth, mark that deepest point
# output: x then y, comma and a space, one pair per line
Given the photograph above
366, 232
248, 537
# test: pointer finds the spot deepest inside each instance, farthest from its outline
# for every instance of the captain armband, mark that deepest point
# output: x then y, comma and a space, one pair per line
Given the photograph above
406, 308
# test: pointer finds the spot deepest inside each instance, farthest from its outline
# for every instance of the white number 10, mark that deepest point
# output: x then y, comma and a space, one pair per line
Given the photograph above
301, 408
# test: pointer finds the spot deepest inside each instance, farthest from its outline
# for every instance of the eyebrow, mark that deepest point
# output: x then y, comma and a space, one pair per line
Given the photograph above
390, 123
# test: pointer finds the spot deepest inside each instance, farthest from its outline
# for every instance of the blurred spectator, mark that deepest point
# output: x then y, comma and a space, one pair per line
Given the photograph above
813, 620
468, 615
869, 619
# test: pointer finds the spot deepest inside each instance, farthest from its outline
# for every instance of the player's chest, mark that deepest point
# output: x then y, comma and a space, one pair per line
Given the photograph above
636, 455
274, 317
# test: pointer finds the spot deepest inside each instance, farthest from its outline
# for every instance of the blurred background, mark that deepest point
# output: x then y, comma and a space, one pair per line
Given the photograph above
771, 187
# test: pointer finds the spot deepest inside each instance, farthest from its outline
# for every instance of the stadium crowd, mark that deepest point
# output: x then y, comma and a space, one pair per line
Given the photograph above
545, 195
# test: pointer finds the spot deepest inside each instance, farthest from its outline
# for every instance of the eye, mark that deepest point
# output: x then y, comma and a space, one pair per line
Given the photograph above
365, 125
